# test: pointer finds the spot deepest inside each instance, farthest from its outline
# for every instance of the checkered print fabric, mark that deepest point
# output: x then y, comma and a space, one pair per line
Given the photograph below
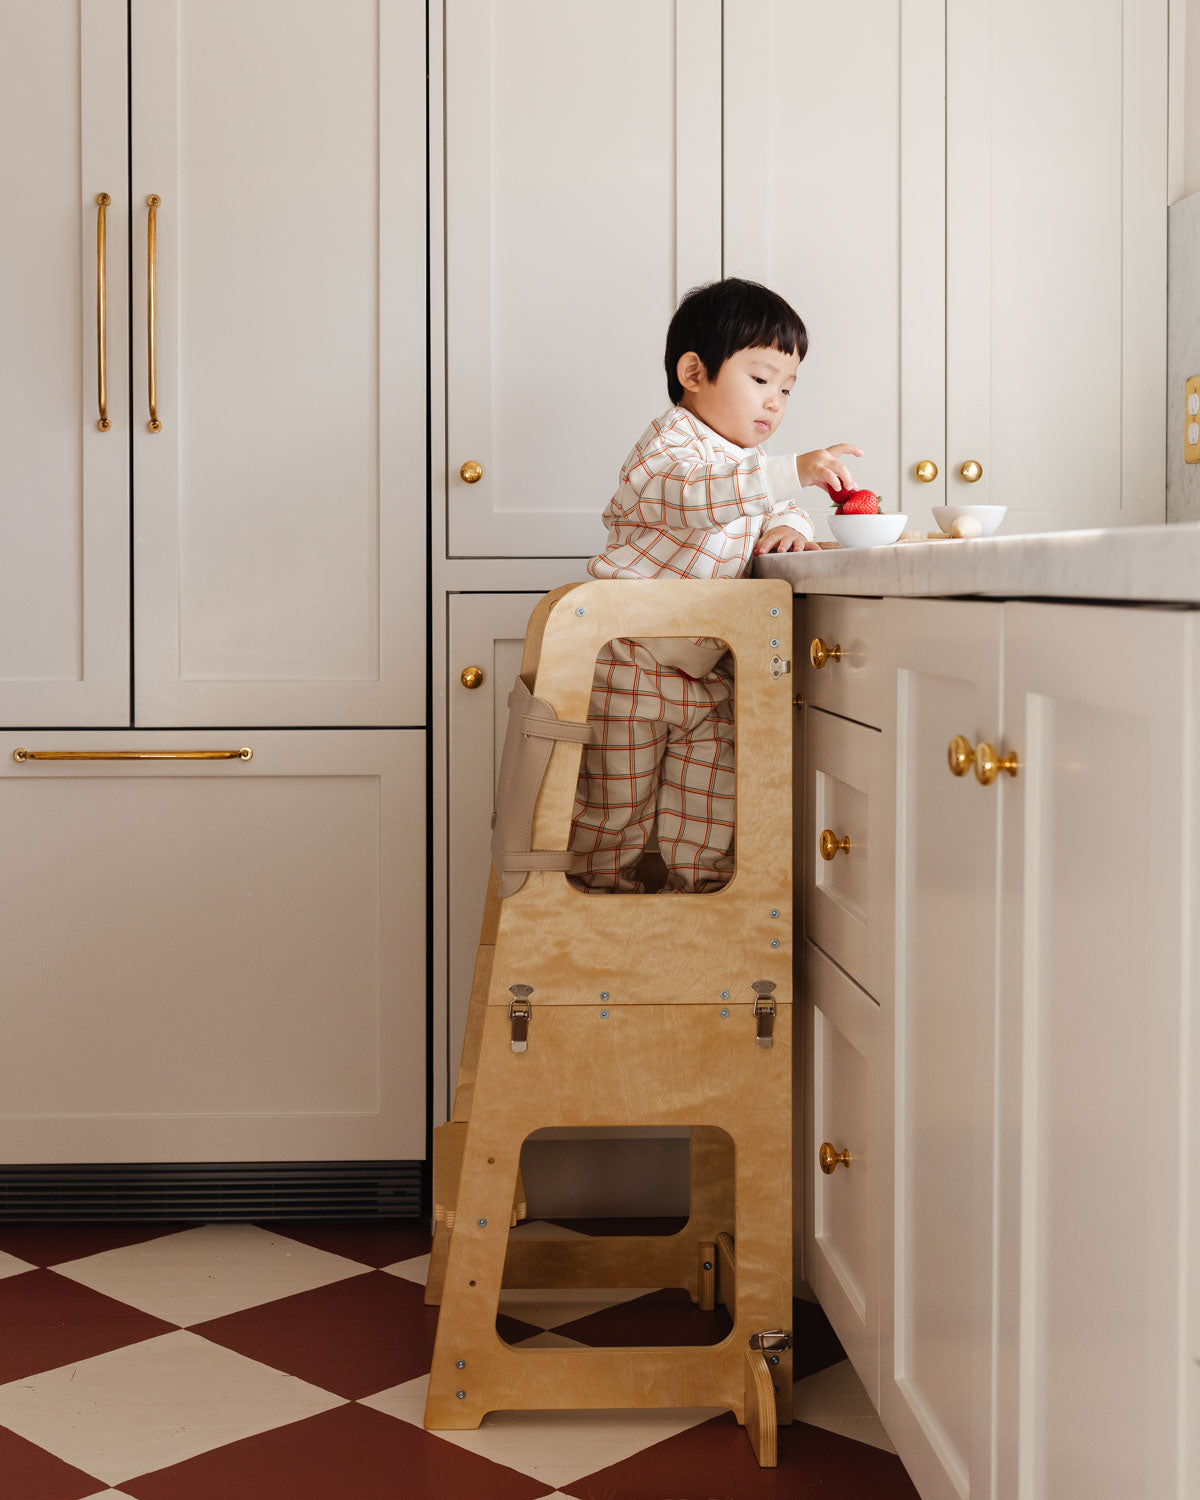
692, 505
665, 753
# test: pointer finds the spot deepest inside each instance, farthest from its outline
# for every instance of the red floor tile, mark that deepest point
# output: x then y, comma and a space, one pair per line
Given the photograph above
372, 1244
50, 1321
665, 1318
716, 1460
815, 1346
351, 1453
28, 1472
355, 1338
51, 1244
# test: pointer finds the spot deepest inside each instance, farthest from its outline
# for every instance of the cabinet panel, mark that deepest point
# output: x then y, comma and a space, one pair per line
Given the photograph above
841, 772
936, 1340
842, 1214
850, 684
64, 545
280, 528
215, 960
574, 138
1094, 900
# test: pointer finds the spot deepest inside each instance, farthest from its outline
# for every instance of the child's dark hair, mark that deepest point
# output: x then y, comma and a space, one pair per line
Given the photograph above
719, 319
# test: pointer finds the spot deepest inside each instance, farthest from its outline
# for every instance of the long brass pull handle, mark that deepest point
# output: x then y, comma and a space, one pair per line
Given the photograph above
245, 753
102, 202
153, 425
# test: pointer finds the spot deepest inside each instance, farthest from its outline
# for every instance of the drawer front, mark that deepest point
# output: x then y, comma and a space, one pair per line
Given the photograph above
850, 682
842, 1213
841, 771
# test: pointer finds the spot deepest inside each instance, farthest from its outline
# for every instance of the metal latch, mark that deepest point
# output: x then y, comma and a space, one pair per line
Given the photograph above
518, 1015
764, 1010
780, 666
773, 1341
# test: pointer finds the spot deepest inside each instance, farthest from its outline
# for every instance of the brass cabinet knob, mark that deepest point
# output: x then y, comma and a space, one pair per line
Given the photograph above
971, 471
819, 653
961, 755
926, 471
471, 472
988, 764
829, 1158
831, 844
471, 677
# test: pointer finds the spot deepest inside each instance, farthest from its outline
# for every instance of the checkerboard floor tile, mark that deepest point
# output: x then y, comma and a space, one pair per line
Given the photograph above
290, 1362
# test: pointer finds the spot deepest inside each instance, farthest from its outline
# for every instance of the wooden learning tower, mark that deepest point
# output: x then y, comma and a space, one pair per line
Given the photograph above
593, 1009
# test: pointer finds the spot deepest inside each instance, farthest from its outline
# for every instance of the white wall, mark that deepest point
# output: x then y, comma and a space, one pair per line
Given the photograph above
1191, 100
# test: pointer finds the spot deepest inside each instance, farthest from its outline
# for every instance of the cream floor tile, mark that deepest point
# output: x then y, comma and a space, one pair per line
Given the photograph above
551, 1307
152, 1404
11, 1266
204, 1273
554, 1447
834, 1398
416, 1269
121, 1495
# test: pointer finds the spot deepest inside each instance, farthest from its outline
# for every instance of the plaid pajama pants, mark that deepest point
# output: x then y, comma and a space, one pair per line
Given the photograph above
665, 755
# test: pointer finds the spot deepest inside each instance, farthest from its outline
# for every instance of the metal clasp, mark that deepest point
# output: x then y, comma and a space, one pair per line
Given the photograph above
773, 1341
518, 1015
780, 666
764, 1011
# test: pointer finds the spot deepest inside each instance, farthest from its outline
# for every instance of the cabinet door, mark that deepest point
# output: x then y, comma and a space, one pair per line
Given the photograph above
214, 960
1056, 131
936, 1301
64, 539
841, 1260
487, 631
583, 171
1096, 909
280, 512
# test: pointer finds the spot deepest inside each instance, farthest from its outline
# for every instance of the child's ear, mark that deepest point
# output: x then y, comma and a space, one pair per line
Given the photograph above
690, 371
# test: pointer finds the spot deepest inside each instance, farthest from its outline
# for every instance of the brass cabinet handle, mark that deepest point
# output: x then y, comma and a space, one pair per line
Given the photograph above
471, 677
245, 753
819, 653
829, 1158
152, 202
471, 472
988, 764
102, 202
926, 471
831, 845
971, 471
961, 755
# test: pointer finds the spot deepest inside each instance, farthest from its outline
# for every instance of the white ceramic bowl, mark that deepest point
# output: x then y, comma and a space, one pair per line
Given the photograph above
867, 531
988, 516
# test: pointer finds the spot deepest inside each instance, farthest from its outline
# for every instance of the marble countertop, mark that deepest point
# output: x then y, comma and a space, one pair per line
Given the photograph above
1146, 564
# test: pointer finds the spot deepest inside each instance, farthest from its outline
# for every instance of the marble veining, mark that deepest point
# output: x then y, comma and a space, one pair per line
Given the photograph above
1133, 564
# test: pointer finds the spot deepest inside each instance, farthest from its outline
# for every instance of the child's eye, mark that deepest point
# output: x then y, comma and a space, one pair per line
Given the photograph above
758, 380
787, 390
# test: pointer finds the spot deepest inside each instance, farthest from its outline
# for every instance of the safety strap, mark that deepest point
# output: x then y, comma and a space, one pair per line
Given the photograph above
529, 740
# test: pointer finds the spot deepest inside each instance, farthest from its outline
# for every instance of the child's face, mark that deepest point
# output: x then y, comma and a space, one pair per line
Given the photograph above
747, 400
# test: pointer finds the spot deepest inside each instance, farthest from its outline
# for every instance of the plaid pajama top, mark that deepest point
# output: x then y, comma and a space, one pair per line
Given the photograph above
690, 504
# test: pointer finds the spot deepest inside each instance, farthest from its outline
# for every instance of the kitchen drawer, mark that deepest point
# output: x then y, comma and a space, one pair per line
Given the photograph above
850, 682
841, 770
842, 1212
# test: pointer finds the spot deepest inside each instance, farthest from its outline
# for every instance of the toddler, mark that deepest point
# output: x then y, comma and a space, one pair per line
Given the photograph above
697, 498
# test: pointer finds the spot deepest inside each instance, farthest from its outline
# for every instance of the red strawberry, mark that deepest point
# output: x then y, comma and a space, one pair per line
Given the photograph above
856, 503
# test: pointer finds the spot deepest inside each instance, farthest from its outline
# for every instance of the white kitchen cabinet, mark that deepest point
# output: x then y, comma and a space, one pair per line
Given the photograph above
938, 1133
582, 181
279, 521
977, 220
214, 960
1096, 916
64, 531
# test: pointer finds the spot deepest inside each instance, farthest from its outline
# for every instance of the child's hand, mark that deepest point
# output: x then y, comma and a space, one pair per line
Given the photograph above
784, 539
824, 467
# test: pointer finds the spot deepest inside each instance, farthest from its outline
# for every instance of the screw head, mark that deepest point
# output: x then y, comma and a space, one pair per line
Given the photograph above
724, 994
774, 1359
774, 912
724, 1013
774, 612
482, 1223
774, 641
708, 1265
462, 1395
581, 611
460, 1364
604, 1015
604, 994
775, 1388
774, 942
